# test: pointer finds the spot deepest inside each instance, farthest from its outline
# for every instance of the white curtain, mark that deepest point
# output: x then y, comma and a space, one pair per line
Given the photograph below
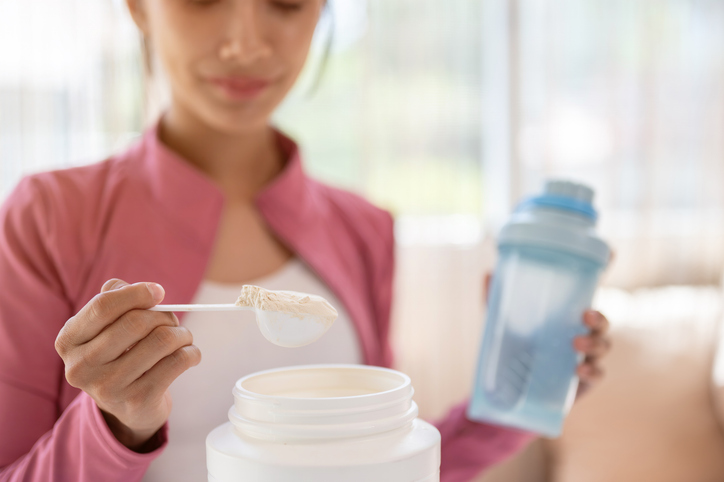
627, 96
447, 113
71, 88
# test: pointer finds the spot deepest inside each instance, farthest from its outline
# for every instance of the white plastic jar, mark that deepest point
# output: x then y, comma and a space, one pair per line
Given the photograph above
324, 423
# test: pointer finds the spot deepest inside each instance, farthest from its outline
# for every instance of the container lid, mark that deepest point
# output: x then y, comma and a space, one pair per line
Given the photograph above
561, 218
322, 402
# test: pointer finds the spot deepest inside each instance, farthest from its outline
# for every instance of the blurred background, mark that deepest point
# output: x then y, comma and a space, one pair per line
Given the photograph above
447, 113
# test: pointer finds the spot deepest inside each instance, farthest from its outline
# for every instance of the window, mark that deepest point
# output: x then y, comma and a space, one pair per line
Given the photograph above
70, 86
627, 96
445, 112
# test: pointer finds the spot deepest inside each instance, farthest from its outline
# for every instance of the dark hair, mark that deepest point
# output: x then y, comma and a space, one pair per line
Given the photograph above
147, 57
327, 49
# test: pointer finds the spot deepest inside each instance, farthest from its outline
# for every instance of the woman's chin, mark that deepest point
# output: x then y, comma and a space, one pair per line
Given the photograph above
236, 121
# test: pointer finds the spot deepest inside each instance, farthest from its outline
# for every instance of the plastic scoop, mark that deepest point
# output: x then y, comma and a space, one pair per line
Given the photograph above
289, 324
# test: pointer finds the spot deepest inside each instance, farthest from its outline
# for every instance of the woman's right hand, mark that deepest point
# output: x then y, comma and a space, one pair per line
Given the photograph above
125, 357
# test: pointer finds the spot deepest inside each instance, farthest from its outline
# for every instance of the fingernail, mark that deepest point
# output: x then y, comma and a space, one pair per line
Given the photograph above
157, 292
600, 319
595, 320
113, 285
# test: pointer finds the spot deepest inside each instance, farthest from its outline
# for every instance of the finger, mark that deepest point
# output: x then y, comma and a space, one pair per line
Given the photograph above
113, 284
592, 345
123, 334
596, 321
487, 281
589, 373
583, 388
157, 380
107, 307
160, 343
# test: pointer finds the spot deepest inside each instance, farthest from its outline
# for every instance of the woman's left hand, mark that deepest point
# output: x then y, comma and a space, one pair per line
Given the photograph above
594, 346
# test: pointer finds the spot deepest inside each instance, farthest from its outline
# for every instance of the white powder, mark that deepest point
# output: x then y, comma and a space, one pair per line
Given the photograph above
289, 302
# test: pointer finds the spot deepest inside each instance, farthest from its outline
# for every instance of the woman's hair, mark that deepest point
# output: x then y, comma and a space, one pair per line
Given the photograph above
327, 48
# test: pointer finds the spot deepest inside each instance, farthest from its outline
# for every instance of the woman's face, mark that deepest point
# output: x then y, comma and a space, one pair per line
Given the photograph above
229, 62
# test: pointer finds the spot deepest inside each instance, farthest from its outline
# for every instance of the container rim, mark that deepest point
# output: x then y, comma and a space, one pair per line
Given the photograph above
240, 390
379, 400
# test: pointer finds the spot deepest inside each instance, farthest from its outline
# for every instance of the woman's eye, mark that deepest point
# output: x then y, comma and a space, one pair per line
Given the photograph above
203, 2
287, 6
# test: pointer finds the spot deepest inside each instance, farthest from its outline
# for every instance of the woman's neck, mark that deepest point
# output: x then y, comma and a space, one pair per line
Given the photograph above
240, 163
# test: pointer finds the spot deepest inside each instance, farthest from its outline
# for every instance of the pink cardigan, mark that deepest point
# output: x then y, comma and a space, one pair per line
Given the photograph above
147, 215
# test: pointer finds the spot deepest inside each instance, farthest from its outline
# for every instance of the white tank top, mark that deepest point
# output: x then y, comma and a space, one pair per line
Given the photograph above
231, 347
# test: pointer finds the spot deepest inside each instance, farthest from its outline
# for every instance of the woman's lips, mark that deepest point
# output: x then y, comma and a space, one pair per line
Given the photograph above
240, 88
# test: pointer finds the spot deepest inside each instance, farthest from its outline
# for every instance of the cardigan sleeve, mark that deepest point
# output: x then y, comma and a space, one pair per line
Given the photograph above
41, 439
469, 448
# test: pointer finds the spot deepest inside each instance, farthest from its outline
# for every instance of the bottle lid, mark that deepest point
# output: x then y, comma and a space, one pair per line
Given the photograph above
561, 218
565, 195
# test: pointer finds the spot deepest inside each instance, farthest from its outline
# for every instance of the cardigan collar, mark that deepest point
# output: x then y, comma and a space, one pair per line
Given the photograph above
291, 206
190, 195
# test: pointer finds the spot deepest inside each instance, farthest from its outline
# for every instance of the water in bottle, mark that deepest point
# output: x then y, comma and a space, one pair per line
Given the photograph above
550, 260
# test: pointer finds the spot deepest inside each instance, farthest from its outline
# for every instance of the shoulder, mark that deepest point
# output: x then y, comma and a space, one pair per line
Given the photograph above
75, 194
39, 224
83, 182
64, 197
55, 219
66, 185
52, 190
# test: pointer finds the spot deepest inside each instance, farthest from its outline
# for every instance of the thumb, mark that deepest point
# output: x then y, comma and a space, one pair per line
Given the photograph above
113, 284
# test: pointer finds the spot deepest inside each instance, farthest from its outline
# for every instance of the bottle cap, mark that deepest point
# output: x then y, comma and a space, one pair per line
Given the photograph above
565, 195
561, 218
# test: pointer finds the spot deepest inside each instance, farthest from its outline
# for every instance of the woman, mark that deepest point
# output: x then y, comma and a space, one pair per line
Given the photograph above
211, 198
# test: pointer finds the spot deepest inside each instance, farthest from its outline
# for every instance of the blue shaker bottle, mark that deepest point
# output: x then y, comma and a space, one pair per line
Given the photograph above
550, 261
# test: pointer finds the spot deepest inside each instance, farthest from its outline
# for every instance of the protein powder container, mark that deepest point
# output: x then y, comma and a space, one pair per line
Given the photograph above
324, 423
550, 262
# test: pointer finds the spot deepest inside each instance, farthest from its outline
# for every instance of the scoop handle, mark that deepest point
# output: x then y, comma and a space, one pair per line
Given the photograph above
179, 308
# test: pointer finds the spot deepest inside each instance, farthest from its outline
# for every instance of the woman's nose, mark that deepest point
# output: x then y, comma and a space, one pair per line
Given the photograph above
244, 43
